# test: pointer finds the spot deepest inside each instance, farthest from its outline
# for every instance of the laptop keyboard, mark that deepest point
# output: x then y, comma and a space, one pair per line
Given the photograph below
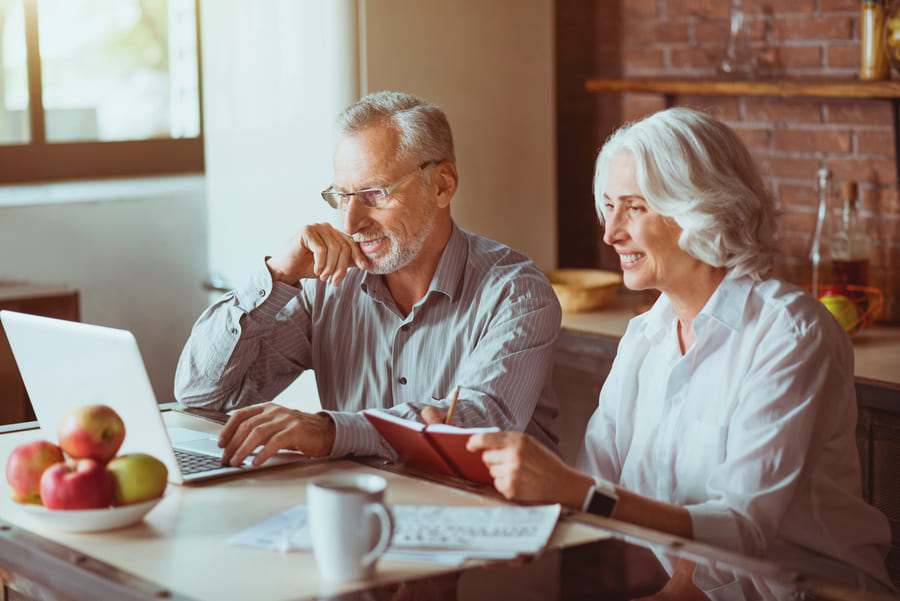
194, 463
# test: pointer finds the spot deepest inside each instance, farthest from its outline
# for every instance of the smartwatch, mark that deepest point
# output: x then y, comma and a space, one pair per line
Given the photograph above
601, 498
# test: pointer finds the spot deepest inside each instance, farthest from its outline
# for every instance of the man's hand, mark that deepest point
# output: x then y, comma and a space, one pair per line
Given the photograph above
275, 428
525, 470
316, 251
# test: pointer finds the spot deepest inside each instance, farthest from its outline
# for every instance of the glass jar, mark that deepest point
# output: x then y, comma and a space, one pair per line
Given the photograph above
874, 63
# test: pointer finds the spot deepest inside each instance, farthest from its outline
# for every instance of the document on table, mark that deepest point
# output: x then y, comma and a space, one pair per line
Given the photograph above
428, 533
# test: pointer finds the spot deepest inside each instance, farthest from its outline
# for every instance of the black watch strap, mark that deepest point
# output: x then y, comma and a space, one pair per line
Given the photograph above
601, 504
601, 498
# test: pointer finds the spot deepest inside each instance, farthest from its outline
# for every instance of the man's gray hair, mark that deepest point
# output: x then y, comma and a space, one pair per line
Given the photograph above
423, 128
696, 170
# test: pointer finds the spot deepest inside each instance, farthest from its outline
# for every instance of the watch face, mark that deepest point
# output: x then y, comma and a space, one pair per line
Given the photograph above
601, 504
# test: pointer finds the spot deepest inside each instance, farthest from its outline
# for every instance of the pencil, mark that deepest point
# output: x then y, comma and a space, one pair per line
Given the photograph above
452, 405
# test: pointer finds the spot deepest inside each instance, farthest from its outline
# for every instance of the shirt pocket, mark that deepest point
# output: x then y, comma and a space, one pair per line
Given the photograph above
699, 451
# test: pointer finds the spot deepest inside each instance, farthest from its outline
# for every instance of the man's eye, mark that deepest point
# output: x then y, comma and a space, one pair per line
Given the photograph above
370, 196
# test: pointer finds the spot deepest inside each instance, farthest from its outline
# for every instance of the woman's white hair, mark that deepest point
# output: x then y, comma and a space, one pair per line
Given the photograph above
423, 128
695, 170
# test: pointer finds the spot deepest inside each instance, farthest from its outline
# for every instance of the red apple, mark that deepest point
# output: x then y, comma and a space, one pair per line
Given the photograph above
76, 484
137, 477
834, 290
91, 432
24, 468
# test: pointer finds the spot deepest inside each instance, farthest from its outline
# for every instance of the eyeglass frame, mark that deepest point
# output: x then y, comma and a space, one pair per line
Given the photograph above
330, 196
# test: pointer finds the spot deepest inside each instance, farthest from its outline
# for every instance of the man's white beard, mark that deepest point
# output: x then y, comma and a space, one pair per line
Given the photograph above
400, 254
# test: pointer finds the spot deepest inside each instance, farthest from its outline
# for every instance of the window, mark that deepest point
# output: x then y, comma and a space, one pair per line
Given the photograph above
98, 88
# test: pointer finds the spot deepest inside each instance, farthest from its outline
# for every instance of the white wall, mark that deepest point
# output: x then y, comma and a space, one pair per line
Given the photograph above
135, 250
275, 74
489, 65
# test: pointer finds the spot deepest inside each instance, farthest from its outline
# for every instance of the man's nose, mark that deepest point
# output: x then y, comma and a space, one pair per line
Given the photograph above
354, 215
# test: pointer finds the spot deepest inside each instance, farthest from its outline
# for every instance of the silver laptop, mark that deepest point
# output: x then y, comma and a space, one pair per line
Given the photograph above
65, 364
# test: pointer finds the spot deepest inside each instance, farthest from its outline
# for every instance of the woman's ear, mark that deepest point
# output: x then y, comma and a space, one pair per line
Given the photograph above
446, 180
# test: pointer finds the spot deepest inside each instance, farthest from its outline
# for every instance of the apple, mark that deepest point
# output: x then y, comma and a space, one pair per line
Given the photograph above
843, 309
137, 477
91, 432
24, 468
834, 290
76, 484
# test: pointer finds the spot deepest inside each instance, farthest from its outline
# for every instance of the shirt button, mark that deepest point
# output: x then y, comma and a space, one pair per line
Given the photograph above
404, 327
402, 380
262, 292
234, 330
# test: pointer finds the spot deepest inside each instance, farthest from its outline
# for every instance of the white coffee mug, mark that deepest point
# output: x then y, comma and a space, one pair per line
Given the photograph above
350, 525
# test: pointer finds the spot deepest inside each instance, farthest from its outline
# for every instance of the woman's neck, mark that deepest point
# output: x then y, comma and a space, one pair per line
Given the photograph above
690, 298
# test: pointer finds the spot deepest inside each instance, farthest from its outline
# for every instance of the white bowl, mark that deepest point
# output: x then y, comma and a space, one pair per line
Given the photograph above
90, 520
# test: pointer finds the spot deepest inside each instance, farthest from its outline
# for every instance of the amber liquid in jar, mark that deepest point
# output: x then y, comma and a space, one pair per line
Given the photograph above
874, 61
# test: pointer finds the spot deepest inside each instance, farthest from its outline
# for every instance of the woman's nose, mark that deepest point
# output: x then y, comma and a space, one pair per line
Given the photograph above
611, 224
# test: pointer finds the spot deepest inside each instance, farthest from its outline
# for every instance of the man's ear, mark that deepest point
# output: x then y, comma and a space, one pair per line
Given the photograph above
446, 180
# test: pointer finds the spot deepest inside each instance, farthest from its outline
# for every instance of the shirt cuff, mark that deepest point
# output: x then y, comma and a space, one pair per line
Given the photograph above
259, 293
354, 435
715, 524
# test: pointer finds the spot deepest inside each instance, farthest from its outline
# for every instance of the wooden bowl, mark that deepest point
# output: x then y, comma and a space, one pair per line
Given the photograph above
584, 289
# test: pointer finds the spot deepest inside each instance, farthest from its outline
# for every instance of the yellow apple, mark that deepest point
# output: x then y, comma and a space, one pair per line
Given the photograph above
137, 477
843, 309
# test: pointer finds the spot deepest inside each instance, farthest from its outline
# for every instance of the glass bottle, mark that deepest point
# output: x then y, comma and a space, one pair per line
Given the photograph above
738, 60
820, 267
850, 246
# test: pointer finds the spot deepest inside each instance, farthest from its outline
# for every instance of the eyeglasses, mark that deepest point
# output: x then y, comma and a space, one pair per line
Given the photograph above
371, 198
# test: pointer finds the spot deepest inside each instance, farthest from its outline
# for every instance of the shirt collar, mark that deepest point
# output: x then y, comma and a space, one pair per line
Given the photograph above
726, 305
448, 277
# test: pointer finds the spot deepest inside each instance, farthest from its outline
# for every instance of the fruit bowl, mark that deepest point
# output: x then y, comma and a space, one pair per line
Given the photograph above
90, 520
855, 307
584, 289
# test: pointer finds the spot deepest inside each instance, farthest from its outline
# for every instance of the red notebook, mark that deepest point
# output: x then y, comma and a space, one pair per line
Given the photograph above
437, 448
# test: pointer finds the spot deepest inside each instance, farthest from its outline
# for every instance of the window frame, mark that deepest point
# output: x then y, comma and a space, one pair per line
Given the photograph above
38, 161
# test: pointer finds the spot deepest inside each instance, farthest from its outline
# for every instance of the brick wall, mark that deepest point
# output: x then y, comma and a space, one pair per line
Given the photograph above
790, 138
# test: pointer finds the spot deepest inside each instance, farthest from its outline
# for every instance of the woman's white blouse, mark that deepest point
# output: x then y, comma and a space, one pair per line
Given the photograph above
752, 430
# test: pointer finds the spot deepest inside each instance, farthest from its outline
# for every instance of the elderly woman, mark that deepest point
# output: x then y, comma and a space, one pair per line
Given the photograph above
728, 415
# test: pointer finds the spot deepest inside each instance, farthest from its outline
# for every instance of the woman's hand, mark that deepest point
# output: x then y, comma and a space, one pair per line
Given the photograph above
525, 470
681, 585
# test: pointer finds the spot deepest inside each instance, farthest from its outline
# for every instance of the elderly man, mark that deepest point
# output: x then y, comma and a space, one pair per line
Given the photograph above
395, 312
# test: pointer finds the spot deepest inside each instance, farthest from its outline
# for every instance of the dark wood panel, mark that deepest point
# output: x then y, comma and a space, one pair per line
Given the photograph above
36, 299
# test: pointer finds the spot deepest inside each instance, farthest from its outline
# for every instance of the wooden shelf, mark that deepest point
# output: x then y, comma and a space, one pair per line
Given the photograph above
784, 88
816, 88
